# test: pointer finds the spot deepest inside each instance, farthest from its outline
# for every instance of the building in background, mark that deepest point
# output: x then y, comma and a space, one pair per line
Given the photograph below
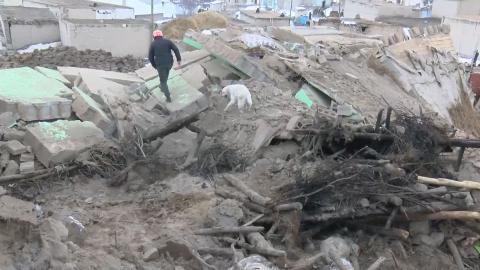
21, 26
463, 17
120, 37
373, 9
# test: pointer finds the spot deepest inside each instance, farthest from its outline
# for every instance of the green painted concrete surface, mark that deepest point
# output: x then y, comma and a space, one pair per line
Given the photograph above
29, 86
54, 74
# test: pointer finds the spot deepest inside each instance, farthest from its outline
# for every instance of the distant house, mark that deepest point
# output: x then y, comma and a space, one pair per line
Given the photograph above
373, 9
83, 9
454, 8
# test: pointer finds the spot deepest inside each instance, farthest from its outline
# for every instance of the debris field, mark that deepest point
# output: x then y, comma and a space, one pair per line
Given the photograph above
359, 152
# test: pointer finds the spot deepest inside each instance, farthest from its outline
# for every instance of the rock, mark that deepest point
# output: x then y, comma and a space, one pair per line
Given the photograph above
227, 213
434, 240
54, 229
11, 168
2, 191
395, 200
57, 249
27, 167
13, 134
135, 98
151, 254
420, 187
72, 246
364, 202
419, 227
179, 267
15, 147
4, 157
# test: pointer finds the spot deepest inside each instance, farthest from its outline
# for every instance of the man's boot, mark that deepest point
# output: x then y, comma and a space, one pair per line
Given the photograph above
169, 100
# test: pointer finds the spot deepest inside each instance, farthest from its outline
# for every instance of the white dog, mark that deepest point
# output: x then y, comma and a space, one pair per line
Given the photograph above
237, 93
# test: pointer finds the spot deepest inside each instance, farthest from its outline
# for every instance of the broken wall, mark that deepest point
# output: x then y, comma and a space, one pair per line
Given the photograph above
119, 38
23, 35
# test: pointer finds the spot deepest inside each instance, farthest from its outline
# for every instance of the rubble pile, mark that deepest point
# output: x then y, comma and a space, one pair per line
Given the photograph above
346, 160
70, 56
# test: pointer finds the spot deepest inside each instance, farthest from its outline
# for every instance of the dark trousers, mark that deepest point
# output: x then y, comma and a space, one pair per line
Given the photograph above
163, 73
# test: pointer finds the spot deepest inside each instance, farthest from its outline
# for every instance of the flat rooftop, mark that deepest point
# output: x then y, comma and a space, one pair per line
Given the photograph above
108, 21
264, 15
26, 14
77, 4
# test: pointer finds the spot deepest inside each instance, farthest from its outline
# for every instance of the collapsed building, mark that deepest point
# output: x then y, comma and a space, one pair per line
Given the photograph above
347, 159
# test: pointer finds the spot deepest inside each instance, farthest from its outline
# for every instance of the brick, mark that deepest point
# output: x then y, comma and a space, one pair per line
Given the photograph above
15, 147
61, 141
27, 167
11, 169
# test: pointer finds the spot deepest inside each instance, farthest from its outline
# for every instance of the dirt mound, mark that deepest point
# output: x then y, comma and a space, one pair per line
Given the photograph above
177, 28
69, 56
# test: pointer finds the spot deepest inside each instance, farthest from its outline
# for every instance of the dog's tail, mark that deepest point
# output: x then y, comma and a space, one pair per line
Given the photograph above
249, 100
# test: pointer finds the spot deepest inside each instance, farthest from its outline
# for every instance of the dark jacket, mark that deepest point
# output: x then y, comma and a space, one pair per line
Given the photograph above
160, 54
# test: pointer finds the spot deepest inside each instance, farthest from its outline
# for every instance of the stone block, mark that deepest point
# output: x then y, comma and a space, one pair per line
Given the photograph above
151, 254
27, 167
25, 157
4, 158
11, 169
135, 98
145, 121
61, 141
16, 210
15, 147
33, 96
151, 103
13, 134
195, 76
88, 109
177, 145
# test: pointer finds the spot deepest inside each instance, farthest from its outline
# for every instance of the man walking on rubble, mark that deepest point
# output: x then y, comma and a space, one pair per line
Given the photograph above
160, 56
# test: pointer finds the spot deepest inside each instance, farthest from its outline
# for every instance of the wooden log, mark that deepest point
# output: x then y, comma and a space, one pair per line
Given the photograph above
224, 252
246, 202
39, 174
449, 215
296, 206
377, 263
251, 194
456, 255
448, 182
225, 230
307, 263
258, 241
255, 249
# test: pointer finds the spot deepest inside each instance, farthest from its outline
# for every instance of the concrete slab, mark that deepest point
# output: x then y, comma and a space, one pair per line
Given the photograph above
155, 82
219, 70
88, 109
183, 95
71, 73
195, 76
147, 73
32, 95
103, 91
61, 141
54, 74
13, 134
145, 121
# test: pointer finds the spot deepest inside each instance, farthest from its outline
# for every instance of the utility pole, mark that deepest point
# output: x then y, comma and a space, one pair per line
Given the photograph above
152, 19
290, 17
